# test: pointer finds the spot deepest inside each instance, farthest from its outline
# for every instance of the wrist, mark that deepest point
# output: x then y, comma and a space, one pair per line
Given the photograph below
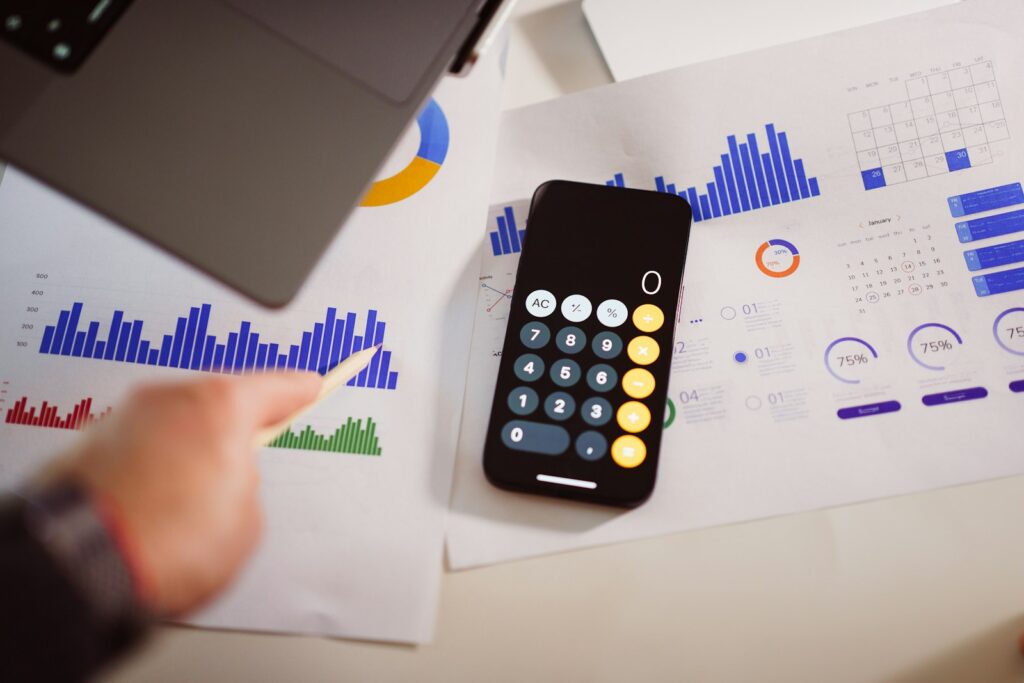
81, 534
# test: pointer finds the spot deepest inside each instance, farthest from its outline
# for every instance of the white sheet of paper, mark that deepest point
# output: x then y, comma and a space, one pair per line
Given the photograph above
354, 542
647, 36
759, 434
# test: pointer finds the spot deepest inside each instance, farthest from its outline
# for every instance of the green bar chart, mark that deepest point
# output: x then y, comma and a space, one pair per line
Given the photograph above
353, 438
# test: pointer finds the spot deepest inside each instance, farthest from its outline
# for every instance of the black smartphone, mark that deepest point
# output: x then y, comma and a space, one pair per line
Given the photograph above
579, 404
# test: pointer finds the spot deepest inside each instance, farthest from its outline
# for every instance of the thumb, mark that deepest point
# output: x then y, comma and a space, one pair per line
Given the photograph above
273, 397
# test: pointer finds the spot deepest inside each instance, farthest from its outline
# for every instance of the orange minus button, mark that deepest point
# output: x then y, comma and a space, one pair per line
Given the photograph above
628, 451
638, 383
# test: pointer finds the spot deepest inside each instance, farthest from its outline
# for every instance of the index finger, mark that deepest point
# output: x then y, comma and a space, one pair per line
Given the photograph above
270, 398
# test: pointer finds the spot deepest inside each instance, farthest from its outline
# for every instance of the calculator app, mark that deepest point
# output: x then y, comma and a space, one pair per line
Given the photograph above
585, 364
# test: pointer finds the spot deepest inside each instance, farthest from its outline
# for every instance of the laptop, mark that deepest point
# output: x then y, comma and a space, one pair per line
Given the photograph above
237, 134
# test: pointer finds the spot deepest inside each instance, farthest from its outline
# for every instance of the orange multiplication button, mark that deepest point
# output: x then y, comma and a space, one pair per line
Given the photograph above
643, 350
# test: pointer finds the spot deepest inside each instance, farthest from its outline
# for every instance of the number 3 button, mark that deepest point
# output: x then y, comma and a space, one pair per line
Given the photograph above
596, 411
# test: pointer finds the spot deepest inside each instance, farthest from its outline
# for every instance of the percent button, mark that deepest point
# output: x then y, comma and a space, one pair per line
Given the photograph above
611, 313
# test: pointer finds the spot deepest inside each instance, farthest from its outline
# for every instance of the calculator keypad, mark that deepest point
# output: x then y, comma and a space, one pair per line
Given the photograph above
602, 378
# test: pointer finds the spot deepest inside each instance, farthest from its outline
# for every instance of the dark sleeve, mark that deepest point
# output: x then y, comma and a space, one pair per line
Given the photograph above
68, 604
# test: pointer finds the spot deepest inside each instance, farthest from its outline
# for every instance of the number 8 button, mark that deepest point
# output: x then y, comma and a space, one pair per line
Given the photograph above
570, 340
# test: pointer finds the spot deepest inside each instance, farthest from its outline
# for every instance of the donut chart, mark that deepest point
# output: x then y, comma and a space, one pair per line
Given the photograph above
933, 345
847, 364
1008, 329
424, 166
777, 258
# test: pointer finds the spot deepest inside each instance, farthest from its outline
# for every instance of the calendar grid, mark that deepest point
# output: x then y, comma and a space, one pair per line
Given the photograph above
947, 123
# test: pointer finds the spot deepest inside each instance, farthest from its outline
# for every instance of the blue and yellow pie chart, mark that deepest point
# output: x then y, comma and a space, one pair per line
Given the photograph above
424, 166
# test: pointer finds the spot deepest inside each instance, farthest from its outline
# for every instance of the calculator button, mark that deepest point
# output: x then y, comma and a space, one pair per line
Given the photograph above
638, 383
576, 308
528, 367
591, 445
535, 437
607, 345
523, 401
596, 411
534, 335
642, 350
648, 318
565, 372
559, 406
571, 340
540, 303
633, 416
602, 377
628, 451
611, 313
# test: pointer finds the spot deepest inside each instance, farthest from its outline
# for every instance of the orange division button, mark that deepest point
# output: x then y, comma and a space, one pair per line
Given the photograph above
643, 350
648, 318
633, 416
638, 383
628, 451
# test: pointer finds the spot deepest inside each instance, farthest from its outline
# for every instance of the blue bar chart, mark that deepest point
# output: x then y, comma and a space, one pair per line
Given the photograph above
752, 175
508, 238
192, 347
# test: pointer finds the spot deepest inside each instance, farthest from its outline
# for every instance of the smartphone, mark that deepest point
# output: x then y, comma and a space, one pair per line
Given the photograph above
579, 403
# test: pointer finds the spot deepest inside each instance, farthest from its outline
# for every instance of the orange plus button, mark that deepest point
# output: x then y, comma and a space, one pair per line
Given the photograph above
628, 451
638, 383
648, 318
643, 350
633, 416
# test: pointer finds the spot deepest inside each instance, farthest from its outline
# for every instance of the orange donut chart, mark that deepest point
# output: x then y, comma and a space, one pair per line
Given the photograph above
762, 265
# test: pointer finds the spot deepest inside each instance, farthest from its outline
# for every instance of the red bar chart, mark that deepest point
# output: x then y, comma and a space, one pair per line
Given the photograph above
46, 415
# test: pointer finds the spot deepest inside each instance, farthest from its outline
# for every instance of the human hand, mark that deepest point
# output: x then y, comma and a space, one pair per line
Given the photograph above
175, 469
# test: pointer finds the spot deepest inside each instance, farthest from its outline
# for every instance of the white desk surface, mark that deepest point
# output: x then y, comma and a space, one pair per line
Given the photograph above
921, 588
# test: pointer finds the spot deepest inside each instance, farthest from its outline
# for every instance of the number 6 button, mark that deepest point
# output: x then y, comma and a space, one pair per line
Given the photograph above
602, 377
